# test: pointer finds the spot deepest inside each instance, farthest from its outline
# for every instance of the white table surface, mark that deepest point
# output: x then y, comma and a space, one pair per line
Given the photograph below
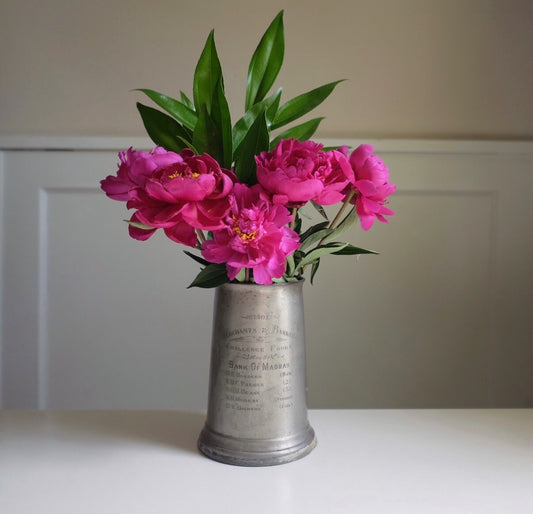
366, 461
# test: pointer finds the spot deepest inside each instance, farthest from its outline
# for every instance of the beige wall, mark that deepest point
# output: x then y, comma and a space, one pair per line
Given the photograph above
415, 68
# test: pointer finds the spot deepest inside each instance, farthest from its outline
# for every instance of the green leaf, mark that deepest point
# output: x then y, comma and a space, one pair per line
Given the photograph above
189, 145
298, 256
301, 132
207, 75
315, 238
353, 250
290, 279
221, 118
314, 269
212, 275
297, 223
138, 224
255, 141
328, 148
343, 226
302, 104
290, 265
268, 105
176, 109
319, 209
320, 252
302, 211
162, 129
272, 111
186, 101
241, 276
206, 137
313, 229
266, 62
197, 258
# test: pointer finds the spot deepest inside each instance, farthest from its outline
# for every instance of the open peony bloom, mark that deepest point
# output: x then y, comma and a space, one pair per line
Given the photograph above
194, 190
175, 192
296, 172
254, 236
371, 186
134, 169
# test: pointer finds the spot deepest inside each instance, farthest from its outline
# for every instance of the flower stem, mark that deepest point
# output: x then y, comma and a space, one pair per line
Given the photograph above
247, 275
342, 209
200, 235
293, 221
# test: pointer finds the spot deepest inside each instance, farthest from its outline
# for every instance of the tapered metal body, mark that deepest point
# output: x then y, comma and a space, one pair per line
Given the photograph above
257, 410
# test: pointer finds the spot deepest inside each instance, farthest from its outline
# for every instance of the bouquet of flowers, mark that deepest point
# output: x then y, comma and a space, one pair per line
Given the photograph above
236, 193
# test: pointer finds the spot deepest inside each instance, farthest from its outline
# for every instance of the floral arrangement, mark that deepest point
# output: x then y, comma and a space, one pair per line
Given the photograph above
237, 194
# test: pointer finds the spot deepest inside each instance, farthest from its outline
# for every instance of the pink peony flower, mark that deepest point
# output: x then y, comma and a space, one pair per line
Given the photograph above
371, 186
254, 236
175, 192
134, 169
296, 172
194, 191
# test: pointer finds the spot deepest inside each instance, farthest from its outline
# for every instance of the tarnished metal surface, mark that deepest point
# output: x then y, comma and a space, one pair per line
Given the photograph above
257, 411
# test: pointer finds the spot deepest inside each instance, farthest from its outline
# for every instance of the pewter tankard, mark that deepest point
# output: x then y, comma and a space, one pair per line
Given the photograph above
257, 409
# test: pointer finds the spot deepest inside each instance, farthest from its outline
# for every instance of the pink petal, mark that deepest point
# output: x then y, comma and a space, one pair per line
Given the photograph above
139, 233
191, 189
182, 233
115, 188
262, 276
156, 190
365, 187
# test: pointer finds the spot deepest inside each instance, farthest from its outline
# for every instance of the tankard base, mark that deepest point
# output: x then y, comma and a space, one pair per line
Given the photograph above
255, 452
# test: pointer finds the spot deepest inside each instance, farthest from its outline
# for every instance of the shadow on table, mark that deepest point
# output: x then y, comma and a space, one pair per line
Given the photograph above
174, 429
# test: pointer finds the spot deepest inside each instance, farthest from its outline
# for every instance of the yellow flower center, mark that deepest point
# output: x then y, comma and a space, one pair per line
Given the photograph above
246, 237
178, 174
243, 235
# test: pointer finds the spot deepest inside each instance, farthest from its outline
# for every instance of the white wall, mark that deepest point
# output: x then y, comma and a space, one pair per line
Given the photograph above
446, 324
441, 318
415, 68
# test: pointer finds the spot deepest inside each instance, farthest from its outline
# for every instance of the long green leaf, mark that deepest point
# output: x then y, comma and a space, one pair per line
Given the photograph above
255, 142
162, 129
221, 118
290, 265
268, 105
174, 107
206, 137
211, 276
207, 75
302, 104
311, 230
266, 62
272, 111
344, 225
314, 238
320, 251
353, 250
301, 132
314, 269
189, 144
197, 258
297, 222
138, 224
186, 101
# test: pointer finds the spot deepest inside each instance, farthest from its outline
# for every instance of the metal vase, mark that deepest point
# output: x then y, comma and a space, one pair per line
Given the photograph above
257, 410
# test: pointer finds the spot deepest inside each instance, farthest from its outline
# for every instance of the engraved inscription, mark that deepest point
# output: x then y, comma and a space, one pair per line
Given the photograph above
258, 366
